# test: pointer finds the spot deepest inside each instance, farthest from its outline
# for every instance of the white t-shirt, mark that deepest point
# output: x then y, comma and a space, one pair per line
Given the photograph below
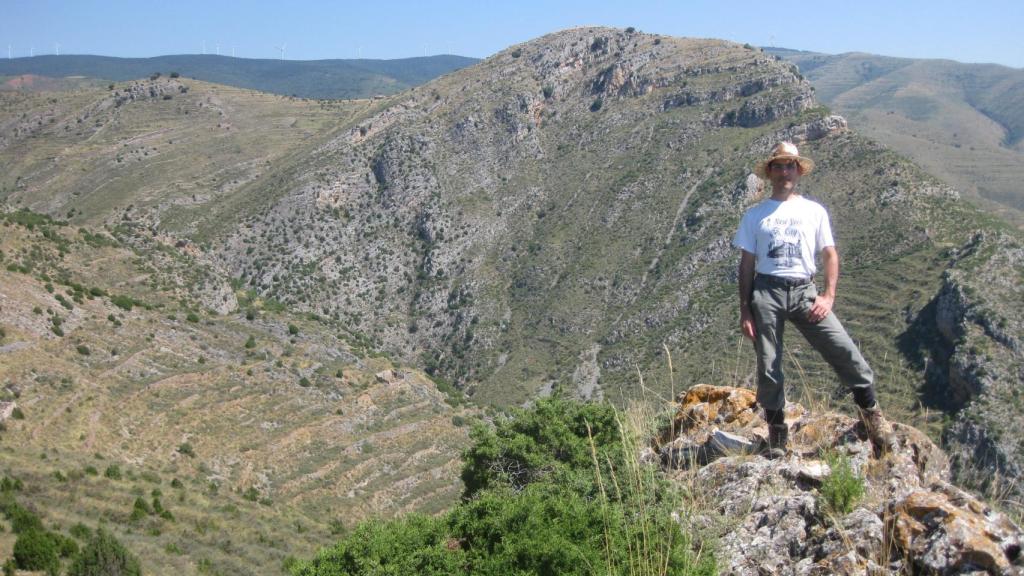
785, 236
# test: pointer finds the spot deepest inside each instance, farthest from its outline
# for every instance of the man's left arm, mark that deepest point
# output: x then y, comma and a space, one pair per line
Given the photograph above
823, 303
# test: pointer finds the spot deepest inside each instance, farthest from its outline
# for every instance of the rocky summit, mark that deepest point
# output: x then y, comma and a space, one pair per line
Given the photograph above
896, 514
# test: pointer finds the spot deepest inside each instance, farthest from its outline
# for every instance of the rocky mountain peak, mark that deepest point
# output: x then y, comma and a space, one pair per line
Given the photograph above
903, 515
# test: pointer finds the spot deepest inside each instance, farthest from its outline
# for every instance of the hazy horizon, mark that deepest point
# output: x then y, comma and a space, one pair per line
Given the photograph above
986, 33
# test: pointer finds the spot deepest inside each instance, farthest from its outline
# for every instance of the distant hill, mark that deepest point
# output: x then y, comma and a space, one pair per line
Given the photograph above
963, 122
304, 78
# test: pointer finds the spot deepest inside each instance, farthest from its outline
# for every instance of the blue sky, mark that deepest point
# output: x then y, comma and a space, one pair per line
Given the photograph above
979, 31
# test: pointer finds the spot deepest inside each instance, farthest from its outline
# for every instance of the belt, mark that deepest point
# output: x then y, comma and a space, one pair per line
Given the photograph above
779, 282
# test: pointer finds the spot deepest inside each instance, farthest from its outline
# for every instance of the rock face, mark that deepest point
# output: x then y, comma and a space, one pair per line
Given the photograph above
977, 362
770, 517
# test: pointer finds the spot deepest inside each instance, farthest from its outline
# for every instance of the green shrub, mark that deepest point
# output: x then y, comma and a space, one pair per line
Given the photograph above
550, 528
123, 302
80, 531
18, 413
251, 494
251, 342
104, 555
192, 317
22, 519
186, 449
36, 550
293, 329
534, 505
83, 350
8, 484
66, 547
113, 472
414, 544
842, 488
142, 506
549, 440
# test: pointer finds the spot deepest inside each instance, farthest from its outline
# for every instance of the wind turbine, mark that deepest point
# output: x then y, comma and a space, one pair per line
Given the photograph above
232, 50
8, 51
218, 48
450, 48
31, 51
56, 48
281, 48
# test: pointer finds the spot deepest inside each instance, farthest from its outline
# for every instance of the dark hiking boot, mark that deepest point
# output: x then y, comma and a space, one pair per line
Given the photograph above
879, 430
775, 446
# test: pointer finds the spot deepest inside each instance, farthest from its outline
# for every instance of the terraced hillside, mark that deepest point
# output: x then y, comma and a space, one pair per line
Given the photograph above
557, 217
265, 434
961, 122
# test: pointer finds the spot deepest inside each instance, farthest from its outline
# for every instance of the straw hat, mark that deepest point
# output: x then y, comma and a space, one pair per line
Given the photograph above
784, 150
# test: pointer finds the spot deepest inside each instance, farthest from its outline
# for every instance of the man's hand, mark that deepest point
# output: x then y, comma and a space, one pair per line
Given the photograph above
747, 323
821, 307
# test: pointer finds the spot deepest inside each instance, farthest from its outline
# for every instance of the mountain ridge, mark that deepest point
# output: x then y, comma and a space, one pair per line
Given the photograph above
332, 79
961, 121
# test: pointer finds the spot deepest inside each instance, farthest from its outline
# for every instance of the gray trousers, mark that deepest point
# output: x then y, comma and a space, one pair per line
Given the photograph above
772, 305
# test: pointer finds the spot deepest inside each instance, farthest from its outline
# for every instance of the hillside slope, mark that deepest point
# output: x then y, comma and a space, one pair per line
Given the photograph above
264, 433
962, 122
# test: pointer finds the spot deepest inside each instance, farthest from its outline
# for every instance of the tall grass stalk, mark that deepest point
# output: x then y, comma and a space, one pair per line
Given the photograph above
636, 486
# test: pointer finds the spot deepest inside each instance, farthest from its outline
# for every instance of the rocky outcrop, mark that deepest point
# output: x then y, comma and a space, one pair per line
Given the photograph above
771, 517
7, 410
978, 363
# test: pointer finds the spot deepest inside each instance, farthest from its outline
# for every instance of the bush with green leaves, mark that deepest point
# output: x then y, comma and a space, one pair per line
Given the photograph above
548, 491
842, 488
104, 555
414, 544
551, 440
113, 472
123, 302
36, 550
21, 518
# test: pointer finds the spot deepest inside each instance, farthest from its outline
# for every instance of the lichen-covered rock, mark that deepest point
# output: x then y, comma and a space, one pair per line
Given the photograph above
947, 531
770, 517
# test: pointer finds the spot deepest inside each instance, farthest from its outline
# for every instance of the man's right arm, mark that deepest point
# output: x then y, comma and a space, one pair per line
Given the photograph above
746, 282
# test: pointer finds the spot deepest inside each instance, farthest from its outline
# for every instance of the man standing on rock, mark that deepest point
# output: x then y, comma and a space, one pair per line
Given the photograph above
779, 238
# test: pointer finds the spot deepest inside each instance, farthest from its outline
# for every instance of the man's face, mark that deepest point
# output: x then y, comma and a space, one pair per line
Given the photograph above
784, 174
